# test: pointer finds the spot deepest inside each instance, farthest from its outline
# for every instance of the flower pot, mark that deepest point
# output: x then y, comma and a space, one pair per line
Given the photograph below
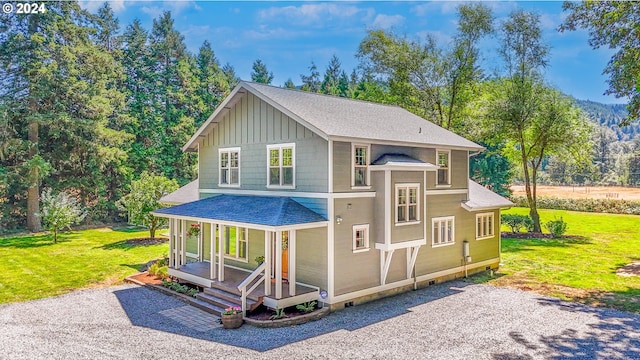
232, 321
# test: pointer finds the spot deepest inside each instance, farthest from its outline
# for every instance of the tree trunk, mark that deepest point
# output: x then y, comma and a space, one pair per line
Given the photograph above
152, 231
55, 236
33, 193
531, 200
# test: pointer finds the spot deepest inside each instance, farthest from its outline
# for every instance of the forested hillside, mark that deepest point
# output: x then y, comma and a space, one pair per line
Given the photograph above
610, 115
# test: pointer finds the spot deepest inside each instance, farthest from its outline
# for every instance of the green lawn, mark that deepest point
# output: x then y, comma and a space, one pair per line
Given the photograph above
33, 267
580, 269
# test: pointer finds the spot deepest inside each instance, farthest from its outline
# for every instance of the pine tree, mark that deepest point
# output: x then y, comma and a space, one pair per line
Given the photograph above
260, 74
311, 83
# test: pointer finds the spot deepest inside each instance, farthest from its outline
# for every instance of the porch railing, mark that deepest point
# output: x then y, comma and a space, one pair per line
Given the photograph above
247, 281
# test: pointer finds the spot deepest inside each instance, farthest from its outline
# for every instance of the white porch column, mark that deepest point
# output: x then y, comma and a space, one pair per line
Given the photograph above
267, 262
278, 264
183, 243
222, 238
172, 244
212, 249
200, 242
292, 263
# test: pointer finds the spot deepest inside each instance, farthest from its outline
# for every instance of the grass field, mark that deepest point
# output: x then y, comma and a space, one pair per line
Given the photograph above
583, 192
581, 269
33, 267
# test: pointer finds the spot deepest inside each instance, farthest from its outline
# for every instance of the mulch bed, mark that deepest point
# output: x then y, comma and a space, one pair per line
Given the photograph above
145, 278
146, 241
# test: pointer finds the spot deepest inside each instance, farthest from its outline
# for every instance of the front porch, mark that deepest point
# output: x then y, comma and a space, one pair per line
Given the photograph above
198, 273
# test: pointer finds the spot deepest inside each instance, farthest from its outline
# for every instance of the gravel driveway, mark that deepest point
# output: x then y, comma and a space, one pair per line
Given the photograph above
454, 320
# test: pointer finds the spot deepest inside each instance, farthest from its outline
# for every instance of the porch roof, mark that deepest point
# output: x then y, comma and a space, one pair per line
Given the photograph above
481, 198
272, 211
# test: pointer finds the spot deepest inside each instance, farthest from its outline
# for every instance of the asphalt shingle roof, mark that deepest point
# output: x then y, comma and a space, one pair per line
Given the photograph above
483, 198
342, 117
259, 210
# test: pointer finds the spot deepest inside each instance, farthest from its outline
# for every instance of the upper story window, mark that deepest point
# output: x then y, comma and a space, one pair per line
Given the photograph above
443, 231
229, 167
407, 203
360, 238
484, 226
360, 161
281, 162
444, 169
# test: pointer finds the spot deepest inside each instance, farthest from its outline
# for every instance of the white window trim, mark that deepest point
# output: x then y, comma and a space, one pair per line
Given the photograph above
229, 151
293, 161
353, 167
433, 230
366, 238
483, 215
448, 185
418, 196
237, 240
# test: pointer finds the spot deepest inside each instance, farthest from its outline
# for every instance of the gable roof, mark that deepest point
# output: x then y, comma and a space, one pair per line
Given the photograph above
254, 210
184, 194
337, 118
481, 198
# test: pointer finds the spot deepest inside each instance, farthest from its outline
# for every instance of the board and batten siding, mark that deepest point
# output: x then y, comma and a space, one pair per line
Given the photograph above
252, 124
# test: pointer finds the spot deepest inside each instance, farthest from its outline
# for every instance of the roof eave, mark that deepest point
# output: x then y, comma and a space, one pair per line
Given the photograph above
484, 208
407, 143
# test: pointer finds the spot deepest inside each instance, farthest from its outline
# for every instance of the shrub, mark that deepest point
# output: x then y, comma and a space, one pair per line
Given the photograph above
517, 222
611, 206
557, 227
306, 307
153, 269
177, 287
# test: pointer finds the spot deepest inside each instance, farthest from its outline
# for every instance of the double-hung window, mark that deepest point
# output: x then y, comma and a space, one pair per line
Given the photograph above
360, 158
407, 203
484, 226
229, 167
281, 169
444, 170
360, 238
443, 231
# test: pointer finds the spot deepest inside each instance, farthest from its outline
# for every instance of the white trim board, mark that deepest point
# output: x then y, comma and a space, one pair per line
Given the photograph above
447, 192
300, 194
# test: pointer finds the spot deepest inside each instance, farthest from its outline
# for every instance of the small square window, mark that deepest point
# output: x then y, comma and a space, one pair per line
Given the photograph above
360, 238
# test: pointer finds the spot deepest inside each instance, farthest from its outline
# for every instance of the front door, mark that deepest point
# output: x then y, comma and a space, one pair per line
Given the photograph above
285, 255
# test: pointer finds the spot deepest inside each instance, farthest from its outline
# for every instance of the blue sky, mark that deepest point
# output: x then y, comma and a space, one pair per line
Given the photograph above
287, 36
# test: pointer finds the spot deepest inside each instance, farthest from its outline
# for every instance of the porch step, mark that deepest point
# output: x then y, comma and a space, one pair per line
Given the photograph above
224, 299
219, 302
206, 306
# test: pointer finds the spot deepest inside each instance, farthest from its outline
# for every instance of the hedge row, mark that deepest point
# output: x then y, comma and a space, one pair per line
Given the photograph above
612, 206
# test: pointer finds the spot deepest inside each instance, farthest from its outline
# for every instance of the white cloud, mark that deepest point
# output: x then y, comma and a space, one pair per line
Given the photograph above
312, 14
197, 30
264, 32
436, 7
441, 38
175, 7
383, 21
93, 5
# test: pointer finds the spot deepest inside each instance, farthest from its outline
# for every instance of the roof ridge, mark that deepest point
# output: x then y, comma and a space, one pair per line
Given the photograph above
347, 99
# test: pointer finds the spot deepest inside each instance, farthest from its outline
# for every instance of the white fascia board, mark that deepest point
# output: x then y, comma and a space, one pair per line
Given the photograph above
481, 208
215, 113
404, 143
399, 166
285, 111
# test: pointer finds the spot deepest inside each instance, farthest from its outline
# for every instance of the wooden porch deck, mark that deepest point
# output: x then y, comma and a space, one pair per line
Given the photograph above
234, 276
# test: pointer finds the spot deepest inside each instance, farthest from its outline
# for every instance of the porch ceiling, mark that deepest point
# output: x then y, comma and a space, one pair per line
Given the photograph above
269, 211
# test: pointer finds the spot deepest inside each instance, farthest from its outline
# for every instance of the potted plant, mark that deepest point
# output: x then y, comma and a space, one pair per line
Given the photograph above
232, 317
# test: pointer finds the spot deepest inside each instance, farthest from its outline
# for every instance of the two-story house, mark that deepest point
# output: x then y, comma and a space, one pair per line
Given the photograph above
303, 196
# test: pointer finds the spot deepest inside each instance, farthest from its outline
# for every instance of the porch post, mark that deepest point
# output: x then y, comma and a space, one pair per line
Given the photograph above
267, 262
171, 242
292, 262
212, 249
183, 243
200, 242
221, 234
278, 264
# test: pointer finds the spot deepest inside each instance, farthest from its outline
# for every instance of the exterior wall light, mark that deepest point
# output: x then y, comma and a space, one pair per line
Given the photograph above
339, 219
